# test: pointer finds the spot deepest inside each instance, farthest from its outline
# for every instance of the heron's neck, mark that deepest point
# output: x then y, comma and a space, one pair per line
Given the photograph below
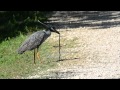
48, 32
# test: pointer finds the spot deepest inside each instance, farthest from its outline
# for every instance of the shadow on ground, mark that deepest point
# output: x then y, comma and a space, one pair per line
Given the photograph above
61, 20
76, 19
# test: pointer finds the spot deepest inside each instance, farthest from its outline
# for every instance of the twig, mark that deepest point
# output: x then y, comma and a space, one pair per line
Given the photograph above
59, 48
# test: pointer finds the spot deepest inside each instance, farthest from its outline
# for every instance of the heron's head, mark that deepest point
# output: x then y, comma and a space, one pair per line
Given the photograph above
52, 29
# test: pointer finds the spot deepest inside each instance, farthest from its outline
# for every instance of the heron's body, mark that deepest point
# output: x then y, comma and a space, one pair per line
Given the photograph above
34, 41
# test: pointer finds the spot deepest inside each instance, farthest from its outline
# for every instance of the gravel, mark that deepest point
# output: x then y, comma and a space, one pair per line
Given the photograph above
97, 49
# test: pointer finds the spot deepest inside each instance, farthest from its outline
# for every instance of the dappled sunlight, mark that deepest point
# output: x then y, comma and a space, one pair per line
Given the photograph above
85, 50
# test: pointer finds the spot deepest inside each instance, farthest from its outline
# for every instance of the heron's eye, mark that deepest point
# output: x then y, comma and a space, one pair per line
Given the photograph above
53, 27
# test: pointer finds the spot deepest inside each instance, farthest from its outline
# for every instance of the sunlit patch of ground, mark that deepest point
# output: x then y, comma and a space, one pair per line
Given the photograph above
89, 53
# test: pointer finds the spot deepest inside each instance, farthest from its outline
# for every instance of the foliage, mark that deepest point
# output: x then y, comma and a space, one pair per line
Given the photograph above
14, 22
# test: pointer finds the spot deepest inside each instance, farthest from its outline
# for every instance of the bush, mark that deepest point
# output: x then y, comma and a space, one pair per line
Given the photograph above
14, 22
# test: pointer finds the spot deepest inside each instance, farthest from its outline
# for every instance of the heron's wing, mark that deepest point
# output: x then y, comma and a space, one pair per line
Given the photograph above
36, 40
32, 42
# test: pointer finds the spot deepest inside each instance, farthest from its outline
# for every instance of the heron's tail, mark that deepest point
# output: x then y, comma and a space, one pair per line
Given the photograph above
20, 51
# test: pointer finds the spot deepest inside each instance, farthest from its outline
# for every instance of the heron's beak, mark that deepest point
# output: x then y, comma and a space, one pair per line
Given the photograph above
56, 32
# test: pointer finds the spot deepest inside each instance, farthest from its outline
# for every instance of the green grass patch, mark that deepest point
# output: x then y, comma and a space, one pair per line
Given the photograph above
14, 65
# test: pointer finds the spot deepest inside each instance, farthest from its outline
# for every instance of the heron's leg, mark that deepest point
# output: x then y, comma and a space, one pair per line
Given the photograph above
34, 56
38, 54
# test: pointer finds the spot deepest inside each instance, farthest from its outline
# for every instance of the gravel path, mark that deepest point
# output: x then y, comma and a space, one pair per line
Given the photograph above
95, 53
98, 57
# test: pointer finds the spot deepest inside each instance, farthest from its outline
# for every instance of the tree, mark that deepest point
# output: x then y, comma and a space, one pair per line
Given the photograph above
14, 22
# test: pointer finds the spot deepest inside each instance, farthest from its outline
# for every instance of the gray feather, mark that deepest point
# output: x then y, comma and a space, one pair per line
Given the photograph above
34, 41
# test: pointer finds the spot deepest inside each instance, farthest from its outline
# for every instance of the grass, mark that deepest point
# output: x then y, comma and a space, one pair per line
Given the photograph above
13, 65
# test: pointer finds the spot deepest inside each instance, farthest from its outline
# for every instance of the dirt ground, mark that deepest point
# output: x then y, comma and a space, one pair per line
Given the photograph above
89, 52
95, 54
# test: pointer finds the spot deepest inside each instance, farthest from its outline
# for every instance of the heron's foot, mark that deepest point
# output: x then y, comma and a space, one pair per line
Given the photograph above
38, 55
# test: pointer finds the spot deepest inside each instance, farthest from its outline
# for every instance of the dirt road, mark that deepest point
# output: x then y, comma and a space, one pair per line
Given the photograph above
89, 52
95, 54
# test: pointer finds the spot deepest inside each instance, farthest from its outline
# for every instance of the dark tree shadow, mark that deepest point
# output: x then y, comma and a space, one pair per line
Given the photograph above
12, 23
93, 19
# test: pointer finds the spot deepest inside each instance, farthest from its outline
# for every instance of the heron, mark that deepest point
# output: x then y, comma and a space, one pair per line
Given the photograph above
36, 39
